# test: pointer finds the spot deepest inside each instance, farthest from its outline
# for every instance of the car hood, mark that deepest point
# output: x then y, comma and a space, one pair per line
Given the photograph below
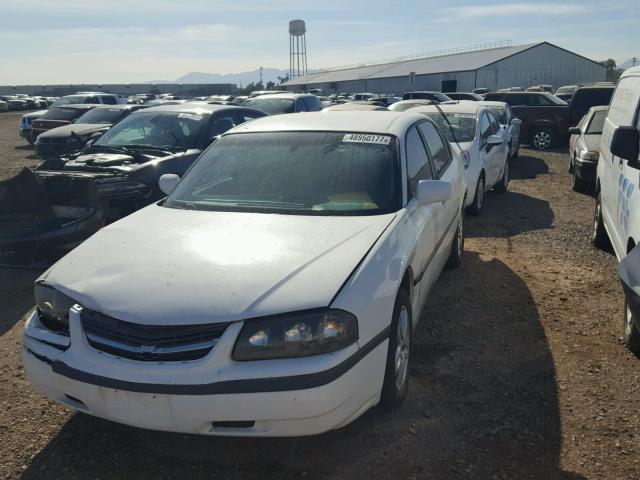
165, 266
34, 115
592, 142
80, 129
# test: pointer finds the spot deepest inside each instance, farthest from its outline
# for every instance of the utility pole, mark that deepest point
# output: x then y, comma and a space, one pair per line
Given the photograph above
260, 75
633, 60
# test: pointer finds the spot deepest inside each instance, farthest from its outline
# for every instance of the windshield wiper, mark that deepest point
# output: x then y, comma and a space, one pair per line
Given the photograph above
110, 148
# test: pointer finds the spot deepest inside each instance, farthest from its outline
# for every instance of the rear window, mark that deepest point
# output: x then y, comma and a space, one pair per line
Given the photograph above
462, 124
587, 98
271, 105
62, 114
500, 114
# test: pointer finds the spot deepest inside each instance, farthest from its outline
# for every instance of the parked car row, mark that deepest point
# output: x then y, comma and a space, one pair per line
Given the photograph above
21, 101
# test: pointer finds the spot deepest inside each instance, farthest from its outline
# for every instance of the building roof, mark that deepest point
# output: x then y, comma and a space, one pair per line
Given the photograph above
458, 62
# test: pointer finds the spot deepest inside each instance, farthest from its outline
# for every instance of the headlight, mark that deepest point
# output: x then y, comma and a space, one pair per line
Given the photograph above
53, 307
296, 335
587, 155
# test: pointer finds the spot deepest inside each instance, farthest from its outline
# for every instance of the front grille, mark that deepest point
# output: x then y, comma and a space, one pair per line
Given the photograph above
151, 343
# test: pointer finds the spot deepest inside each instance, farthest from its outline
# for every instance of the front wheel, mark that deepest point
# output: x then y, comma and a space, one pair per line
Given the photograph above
599, 236
478, 200
631, 334
542, 138
503, 184
396, 375
457, 246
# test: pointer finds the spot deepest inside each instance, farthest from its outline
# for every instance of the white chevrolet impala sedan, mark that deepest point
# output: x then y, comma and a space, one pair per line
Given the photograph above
274, 292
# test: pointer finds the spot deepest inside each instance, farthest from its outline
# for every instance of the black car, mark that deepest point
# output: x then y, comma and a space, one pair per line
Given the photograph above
474, 97
57, 117
48, 211
438, 97
73, 137
586, 97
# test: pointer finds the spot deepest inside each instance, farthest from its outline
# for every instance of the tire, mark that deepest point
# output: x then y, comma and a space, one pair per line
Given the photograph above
396, 375
578, 184
457, 246
478, 199
630, 332
542, 138
503, 184
599, 237
30, 139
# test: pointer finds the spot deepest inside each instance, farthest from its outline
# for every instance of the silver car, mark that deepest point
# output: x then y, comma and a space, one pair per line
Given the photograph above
583, 148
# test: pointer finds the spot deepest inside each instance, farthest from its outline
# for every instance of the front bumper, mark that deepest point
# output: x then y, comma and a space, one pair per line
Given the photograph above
154, 396
586, 170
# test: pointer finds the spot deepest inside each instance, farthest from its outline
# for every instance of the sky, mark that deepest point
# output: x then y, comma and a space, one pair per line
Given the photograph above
129, 41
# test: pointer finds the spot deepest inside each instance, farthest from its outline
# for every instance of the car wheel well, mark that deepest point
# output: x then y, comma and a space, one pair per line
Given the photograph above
407, 282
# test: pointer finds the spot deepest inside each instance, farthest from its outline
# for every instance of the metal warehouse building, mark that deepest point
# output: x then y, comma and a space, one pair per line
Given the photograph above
493, 66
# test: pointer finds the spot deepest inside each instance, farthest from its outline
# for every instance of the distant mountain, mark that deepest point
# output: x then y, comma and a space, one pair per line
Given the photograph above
244, 78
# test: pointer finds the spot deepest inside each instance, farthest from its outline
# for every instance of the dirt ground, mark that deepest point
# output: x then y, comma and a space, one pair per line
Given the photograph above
519, 371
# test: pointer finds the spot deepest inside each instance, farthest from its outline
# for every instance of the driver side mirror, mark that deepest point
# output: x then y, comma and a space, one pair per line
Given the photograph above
625, 144
168, 182
516, 122
433, 191
574, 131
494, 140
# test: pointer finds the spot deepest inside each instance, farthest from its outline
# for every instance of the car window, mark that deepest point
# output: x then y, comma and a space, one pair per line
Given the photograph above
597, 122
221, 124
440, 154
91, 100
109, 100
248, 116
273, 106
494, 124
301, 106
418, 165
457, 126
485, 127
313, 104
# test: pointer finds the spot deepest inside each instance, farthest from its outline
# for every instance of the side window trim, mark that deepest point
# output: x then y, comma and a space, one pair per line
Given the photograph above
428, 163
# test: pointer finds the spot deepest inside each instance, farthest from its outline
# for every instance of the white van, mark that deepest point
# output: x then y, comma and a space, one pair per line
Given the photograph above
617, 212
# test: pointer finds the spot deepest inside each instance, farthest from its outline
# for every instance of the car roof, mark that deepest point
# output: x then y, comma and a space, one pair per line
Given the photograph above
493, 103
595, 87
80, 106
118, 106
192, 107
462, 107
388, 122
353, 106
599, 108
283, 95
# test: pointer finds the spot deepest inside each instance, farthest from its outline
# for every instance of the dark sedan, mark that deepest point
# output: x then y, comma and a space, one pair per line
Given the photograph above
49, 211
73, 137
57, 117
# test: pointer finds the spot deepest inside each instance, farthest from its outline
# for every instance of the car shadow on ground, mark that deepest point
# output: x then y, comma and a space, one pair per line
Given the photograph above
508, 214
527, 166
483, 403
16, 295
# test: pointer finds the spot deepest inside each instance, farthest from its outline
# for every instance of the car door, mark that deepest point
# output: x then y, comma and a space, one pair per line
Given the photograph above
447, 212
498, 153
422, 218
487, 156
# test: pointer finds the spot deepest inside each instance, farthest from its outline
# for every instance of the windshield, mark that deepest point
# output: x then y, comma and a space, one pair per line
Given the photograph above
102, 115
270, 105
463, 124
307, 173
500, 114
62, 114
565, 90
155, 129
597, 122
556, 100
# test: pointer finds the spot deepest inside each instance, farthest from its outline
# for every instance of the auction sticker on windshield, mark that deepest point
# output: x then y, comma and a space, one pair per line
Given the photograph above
365, 138
464, 115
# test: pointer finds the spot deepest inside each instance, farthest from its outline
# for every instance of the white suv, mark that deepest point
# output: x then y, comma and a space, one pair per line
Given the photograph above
617, 212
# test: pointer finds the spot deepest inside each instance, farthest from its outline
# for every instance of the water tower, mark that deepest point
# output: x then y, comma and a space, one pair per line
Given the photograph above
297, 49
